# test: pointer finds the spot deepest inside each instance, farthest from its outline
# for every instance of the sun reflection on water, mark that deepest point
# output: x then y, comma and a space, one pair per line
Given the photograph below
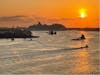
82, 64
84, 42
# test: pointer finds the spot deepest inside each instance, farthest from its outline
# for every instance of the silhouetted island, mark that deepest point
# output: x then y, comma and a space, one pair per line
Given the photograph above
40, 26
16, 33
57, 27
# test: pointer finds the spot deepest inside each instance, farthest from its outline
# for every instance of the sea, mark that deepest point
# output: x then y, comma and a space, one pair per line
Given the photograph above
51, 54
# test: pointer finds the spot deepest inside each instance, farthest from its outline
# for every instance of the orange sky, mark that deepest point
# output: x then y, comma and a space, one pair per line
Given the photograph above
66, 12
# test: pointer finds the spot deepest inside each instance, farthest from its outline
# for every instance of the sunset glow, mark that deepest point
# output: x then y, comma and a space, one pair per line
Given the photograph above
66, 12
82, 13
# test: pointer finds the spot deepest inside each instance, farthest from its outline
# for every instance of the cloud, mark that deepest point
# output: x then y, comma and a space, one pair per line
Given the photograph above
67, 19
33, 18
26, 20
12, 18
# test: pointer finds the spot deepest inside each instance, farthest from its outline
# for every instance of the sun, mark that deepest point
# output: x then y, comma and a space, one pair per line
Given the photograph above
82, 13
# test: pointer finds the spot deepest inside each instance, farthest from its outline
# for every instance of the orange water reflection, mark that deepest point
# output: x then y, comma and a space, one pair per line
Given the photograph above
82, 64
84, 42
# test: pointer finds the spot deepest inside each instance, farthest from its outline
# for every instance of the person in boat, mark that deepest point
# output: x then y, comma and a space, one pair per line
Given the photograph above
51, 32
82, 37
85, 46
54, 33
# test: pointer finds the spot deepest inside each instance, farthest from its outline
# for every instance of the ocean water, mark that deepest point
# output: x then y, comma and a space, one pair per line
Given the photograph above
51, 54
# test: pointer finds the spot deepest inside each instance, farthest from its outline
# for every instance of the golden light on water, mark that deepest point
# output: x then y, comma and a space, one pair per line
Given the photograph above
82, 61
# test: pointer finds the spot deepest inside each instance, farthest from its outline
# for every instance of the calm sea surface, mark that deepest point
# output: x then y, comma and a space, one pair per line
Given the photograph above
56, 54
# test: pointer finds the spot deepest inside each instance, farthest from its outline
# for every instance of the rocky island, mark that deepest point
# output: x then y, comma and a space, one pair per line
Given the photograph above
15, 33
40, 26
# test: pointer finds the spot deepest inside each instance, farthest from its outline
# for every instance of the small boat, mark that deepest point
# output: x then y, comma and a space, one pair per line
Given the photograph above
52, 32
78, 39
85, 46
82, 47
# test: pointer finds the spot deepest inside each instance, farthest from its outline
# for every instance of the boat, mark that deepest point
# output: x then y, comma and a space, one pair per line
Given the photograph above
52, 32
78, 39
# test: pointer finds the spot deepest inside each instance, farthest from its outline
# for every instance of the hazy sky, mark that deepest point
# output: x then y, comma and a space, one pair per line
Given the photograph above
66, 12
